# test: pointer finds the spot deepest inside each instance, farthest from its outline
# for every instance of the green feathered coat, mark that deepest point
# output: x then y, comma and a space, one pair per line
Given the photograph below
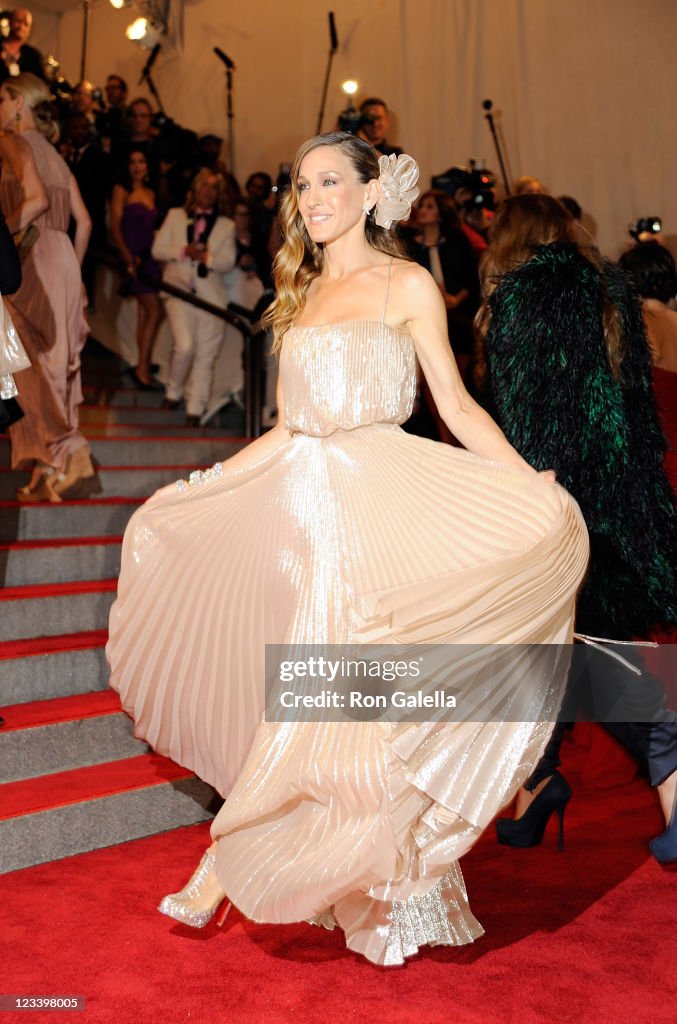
554, 395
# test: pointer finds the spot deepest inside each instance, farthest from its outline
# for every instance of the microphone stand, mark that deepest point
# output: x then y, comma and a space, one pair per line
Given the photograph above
230, 117
333, 47
151, 86
488, 104
230, 67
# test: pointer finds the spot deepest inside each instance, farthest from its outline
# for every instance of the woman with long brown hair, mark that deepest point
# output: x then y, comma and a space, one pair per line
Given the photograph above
38, 195
339, 528
569, 380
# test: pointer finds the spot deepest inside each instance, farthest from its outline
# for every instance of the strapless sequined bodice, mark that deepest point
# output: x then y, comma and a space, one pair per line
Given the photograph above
346, 375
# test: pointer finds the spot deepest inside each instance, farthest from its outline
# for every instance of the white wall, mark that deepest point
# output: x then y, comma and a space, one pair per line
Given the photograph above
585, 87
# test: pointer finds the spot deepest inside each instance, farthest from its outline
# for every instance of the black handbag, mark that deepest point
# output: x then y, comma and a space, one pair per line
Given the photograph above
10, 264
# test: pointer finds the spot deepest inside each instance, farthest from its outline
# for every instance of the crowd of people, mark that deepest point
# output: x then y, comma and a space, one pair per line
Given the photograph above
529, 349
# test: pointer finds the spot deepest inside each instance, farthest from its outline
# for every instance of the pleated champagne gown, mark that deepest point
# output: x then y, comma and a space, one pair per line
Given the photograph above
351, 531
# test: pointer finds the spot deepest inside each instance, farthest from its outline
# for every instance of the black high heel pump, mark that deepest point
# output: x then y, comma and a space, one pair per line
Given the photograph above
529, 829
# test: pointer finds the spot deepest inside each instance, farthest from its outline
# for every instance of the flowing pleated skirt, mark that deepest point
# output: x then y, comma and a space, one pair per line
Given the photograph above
364, 536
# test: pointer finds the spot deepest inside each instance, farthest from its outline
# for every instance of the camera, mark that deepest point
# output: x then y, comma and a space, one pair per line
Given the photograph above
351, 120
645, 226
475, 181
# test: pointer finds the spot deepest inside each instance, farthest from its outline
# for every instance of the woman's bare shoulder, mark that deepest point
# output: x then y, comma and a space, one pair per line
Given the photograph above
412, 280
13, 144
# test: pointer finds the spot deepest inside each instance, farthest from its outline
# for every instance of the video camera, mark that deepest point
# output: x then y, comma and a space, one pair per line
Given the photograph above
645, 226
475, 183
352, 120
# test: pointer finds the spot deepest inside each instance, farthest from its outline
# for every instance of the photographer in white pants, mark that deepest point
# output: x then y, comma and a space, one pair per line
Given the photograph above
197, 245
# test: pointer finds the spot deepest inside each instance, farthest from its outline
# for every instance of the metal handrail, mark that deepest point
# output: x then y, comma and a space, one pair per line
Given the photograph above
252, 332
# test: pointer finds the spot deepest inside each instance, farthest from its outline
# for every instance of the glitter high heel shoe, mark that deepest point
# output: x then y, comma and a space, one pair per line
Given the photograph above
185, 906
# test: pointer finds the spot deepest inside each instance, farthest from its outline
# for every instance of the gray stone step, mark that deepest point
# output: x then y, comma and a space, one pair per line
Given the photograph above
21, 565
56, 673
29, 616
144, 451
92, 824
124, 398
45, 749
125, 482
94, 518
148, 431
130, 414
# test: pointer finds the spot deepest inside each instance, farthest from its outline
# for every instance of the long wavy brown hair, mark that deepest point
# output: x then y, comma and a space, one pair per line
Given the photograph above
299, 260
521, 224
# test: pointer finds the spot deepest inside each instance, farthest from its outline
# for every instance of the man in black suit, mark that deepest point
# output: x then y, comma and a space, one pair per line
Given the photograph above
91, 169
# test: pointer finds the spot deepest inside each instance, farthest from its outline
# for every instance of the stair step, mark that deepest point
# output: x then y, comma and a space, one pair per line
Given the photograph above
88, 808
116, 481
58, 666
48, 610
95, 431
59, 560
123, 398
61, 709
68, 741
41, 521
137, 450
129, 414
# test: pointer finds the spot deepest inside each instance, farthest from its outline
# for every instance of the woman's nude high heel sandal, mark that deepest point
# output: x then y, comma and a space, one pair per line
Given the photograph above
42, 490
185, 906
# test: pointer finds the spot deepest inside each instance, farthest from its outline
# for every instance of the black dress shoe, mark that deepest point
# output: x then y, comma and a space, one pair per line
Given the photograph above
153, 385
192, 421
171, 403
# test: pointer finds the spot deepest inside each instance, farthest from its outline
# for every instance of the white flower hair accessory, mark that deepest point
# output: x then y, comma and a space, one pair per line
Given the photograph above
397, 182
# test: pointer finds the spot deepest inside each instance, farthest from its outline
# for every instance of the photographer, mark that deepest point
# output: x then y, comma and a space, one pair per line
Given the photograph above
197, 244
374, 123
17, 55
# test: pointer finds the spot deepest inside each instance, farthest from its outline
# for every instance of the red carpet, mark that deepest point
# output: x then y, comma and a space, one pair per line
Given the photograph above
588, 936
47, 791
35, 646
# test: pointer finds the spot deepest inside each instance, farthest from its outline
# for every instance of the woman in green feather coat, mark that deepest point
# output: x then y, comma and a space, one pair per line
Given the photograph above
568, 378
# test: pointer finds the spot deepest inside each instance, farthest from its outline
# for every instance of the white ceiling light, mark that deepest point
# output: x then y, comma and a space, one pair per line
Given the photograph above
144, 32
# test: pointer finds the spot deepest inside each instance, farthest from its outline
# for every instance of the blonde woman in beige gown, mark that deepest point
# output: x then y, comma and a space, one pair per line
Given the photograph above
338, 527
37, 191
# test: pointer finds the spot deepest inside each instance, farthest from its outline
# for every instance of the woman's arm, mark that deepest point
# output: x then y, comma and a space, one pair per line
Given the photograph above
252, 454
117, 206
19, 157
418, 299
83, 222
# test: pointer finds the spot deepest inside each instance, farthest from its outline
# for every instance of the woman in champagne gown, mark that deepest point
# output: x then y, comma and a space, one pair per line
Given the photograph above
338, 527
38, 194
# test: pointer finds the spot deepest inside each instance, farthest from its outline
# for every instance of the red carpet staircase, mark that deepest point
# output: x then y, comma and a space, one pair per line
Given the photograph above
72, 776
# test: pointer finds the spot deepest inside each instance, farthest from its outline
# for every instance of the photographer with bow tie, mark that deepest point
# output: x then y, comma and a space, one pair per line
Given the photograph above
197, 245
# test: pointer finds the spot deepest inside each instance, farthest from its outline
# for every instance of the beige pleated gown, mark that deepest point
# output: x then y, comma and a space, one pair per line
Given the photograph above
48, 311
351, 531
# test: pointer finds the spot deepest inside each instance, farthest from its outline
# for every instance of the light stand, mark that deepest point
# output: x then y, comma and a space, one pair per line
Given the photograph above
333, 47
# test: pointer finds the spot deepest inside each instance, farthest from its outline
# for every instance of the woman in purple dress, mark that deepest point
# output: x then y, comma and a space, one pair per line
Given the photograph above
133, 220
